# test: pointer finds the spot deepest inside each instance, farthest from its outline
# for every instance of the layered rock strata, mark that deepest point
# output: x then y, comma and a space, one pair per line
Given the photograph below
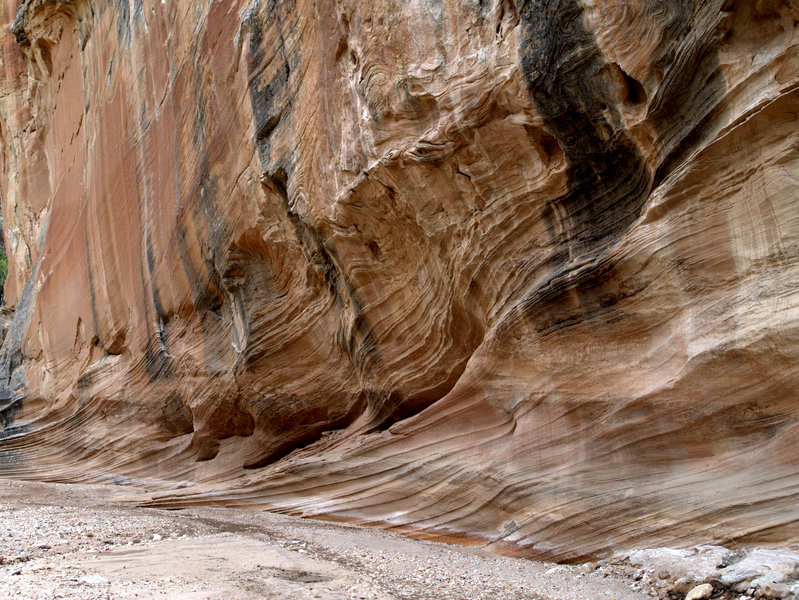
515, 271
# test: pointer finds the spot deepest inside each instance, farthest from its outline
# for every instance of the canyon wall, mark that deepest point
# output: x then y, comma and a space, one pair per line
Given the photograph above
524, 272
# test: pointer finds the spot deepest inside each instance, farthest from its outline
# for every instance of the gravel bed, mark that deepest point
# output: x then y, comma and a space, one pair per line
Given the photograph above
81, 542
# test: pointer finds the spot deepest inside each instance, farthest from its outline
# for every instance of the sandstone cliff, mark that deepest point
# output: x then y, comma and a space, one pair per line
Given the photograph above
524, 271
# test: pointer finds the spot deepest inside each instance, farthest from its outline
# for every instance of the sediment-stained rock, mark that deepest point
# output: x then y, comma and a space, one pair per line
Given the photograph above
519, 271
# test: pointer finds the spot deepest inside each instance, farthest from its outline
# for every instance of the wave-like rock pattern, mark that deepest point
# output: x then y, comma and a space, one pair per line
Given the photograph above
519, 271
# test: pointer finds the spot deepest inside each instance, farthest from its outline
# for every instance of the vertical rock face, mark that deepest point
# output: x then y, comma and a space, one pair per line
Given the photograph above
524, 271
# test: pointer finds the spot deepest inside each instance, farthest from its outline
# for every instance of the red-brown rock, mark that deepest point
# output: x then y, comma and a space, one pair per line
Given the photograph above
520, 271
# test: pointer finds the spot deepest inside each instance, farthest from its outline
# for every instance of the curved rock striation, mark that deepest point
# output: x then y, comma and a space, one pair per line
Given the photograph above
519, 271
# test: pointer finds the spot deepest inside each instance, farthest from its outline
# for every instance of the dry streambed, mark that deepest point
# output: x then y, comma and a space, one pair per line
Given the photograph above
78, 541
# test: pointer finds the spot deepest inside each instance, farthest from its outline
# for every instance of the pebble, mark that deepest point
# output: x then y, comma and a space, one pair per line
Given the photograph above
700, 592
94, 580
682, 585
776, 590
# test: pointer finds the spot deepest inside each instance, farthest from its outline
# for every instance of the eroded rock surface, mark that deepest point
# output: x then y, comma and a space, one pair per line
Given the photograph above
520, 271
